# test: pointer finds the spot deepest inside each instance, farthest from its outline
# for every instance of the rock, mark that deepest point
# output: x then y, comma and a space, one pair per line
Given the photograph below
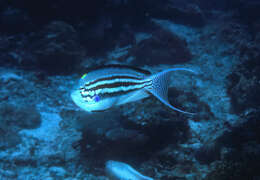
149, 118
126, 38
58, 172
126, 135
244, 85
28, 118
56, 48
208, 153
8, 174
9, 137
241, 157
52, 136
9, 76
184, 13
23, 117
93, 34
15, 118
163, 47
11, 53
236, 34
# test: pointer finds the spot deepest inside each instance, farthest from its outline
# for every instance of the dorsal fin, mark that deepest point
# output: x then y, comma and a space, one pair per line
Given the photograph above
146, 72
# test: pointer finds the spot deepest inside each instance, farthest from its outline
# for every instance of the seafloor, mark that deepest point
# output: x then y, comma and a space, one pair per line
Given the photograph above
45, 47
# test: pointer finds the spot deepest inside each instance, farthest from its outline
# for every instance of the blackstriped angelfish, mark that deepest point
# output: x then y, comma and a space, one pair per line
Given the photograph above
114, 85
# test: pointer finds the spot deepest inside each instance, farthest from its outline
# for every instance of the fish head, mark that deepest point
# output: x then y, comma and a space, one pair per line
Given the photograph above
87, 103
90, 101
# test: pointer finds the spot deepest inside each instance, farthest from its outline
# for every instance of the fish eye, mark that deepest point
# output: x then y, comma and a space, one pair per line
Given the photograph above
96, 98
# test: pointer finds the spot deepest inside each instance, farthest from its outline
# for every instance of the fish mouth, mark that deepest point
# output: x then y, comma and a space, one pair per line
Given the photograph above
78, 100
109, 163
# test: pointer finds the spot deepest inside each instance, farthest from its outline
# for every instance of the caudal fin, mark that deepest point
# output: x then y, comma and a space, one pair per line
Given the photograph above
160, 85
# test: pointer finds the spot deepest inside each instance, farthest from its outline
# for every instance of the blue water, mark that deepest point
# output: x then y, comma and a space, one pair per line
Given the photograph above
46, 47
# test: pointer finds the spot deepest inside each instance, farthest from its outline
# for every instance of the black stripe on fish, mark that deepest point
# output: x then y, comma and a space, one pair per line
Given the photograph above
115, 85
118, 85
118, 93
111, 78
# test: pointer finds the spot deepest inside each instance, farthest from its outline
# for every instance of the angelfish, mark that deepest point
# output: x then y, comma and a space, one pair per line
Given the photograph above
122, 171
114, 85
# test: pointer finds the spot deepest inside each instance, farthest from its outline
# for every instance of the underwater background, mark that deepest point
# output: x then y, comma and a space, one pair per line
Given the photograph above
47, 45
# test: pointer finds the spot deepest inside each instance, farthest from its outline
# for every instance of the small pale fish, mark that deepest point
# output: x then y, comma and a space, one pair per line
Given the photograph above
114, 85
122, 171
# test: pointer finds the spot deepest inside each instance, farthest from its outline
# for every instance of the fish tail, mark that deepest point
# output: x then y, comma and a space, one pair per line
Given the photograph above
160, 84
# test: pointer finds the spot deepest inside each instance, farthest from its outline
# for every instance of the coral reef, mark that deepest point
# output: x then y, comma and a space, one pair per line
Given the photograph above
162, 47
46, 46
243, 87
15, 118
239, 159
56, 48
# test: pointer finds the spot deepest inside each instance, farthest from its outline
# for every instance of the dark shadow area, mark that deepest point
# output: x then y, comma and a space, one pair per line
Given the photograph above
243, 87
242, 143
128, 142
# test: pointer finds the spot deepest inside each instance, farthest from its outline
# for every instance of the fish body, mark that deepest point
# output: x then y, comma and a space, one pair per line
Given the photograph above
122, 171
114, 85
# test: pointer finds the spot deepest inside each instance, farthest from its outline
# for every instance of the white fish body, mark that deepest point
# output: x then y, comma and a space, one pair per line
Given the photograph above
122, 171
114, 85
